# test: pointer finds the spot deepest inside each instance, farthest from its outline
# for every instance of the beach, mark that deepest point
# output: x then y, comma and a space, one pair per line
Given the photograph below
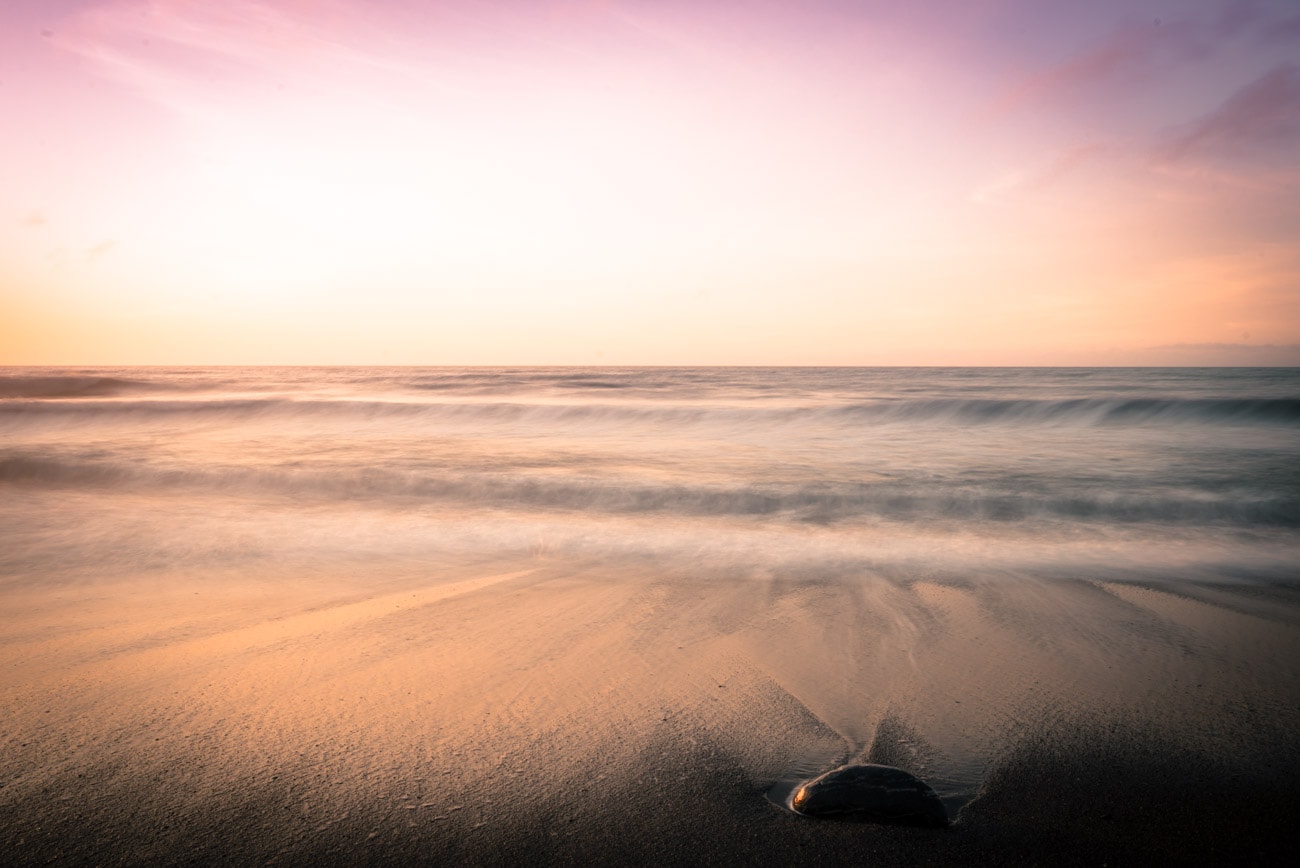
565, 714
238, 631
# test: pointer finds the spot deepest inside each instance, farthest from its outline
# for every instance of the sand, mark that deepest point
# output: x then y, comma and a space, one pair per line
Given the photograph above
558, 711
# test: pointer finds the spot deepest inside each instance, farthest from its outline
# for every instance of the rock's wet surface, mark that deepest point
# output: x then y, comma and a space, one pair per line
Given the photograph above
871, 793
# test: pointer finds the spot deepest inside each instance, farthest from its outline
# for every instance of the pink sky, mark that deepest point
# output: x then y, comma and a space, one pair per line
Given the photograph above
637, 182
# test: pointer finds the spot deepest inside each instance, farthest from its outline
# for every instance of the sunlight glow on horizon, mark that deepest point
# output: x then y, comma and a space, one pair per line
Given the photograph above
633, 183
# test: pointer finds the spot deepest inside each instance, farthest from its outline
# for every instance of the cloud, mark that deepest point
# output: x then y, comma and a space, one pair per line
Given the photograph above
1264, 355
1141, 51
103, 248
1129, 52
1286, 30
1064, 163
1227, 347
197, 58
1041, 175
1046, 85
1256, 18
1263, 114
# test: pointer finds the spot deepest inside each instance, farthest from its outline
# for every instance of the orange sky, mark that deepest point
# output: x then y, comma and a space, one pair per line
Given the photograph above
636, 182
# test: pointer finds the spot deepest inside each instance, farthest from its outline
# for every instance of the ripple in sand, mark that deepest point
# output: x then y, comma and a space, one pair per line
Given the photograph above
871, 793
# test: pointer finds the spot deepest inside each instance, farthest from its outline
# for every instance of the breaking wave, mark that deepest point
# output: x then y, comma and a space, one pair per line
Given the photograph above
1089, 410
1069, 412
68, 386
818, 502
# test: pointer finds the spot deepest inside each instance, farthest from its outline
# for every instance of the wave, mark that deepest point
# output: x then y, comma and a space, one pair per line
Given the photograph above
810, 502
69, 386
1086, 410
1068, 412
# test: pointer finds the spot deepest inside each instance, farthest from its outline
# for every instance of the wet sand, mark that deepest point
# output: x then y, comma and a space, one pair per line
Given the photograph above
570, 712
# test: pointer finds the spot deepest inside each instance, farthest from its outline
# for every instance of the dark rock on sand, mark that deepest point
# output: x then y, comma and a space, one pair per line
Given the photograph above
873, 794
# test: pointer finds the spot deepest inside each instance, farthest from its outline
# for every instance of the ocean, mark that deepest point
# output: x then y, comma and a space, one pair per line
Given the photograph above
820, 473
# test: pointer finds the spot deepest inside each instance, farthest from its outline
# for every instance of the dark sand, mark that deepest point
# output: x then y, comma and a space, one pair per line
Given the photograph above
574, 713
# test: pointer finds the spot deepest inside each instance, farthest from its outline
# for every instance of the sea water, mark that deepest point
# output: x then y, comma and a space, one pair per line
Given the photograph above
801, 473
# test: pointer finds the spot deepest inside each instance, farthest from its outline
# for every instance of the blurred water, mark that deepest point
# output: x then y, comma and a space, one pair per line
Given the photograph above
1104, 473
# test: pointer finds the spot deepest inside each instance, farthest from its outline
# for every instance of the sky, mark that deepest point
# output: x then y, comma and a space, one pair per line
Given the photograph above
822, 182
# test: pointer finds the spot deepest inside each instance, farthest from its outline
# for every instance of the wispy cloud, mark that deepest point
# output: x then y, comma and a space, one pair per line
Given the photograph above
1232, 354
1140, 52
197, 58
1259, 19
1284, 30
1263, 114
1042, 175
1228, 347
101, 249
1118, 54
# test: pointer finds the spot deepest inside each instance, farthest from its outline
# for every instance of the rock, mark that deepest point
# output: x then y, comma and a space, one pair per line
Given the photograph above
873, 794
